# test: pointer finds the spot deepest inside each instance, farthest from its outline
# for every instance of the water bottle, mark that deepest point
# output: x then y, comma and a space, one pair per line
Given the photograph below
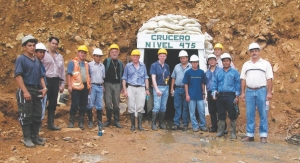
172, 93
99, 131
147, 97
267, 105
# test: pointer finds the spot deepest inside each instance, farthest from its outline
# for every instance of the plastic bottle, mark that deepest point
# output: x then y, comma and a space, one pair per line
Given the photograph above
147, 97
172, 93
267, 105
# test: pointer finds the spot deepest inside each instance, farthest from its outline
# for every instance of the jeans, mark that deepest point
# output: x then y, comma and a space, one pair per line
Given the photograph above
96, 97
79, 100
201, 112
44, 100
256, 98
180, 105
160, 102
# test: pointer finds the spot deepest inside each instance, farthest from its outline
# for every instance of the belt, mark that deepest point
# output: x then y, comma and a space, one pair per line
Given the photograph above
161, 84
179, 86
226, 93
54, 78
99, 84
32, 86
256, 88
135, 85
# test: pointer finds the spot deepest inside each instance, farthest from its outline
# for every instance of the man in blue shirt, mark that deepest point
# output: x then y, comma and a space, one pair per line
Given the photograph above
29, 77
194, 86
135, 75
227, 85
180, 102
209, 77
160, 73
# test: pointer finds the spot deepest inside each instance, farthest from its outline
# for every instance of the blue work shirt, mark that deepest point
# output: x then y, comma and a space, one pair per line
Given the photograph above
29, 69
227, 81
44, 72
178, 73
135, 76
194, 79
97, 72
209, 78
161, 72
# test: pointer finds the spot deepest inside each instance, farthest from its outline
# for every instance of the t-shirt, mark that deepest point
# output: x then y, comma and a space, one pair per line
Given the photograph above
194, 79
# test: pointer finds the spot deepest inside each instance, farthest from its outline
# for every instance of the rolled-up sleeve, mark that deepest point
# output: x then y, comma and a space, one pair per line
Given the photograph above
70, 68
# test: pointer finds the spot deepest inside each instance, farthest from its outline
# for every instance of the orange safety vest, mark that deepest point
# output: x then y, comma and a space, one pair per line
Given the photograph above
76, 77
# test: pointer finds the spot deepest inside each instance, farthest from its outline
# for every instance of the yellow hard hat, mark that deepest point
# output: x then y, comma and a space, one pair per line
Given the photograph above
218, 45
114, 46
136, 52
162, 51
83, 48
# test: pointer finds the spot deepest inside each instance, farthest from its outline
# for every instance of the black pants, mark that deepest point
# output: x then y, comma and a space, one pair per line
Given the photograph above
79, 100
225, 103
52, 93
30, 110
212, 108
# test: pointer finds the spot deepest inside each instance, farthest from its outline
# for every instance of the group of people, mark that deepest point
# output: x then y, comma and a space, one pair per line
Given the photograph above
40, 75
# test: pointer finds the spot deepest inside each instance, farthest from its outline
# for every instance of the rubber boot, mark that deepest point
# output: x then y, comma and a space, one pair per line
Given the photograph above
99, 119
221, 128
153, 122
108, 116
233, 129
132, 119
51, 125
140, 119
161, 120
71, 120
26, 136
117, 118
81, 119
34, 128
90, 116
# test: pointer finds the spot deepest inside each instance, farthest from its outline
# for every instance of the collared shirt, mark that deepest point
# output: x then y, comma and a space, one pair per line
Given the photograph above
220, 64
178, 73
54, 66
227, 81
97, 72
161, 72
135, 76
209, 78
256, 74
194, 79
30, 70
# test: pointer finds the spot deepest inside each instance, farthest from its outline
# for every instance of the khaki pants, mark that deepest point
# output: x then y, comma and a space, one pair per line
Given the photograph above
136, 99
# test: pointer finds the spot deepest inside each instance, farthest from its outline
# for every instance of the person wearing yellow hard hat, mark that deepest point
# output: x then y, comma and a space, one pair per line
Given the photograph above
97, 73
78, 77
135, 76
112, 85
218, 51
160, 74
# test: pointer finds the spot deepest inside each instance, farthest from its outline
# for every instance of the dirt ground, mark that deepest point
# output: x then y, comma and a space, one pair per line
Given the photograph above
274, 24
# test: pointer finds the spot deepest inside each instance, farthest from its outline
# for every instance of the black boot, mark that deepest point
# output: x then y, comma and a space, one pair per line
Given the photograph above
153, 122
221, 128
140, 118
161, 120
27, 136
81, 119
233, 129
90, 116
71, 120
40, 138
34, 128
51, 125
99, 119
108, 116
117, 118
132, 119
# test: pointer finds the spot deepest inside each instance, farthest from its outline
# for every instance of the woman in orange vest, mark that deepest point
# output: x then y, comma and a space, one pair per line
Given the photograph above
78, 78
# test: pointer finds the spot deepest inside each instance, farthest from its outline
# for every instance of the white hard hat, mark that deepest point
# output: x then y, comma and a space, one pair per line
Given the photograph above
211, 56
225, 55
194, 58
183, 53
97, 51
40, 46
254, 45
27, 39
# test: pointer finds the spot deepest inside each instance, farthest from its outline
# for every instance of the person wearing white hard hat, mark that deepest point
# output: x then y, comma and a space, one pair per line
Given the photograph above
210, 74
177, 89
256, 90
227, 85
55, 75
97, 73
194, 86
30, 78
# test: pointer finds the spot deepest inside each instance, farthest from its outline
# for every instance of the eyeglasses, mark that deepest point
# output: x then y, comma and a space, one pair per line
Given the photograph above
97, 56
